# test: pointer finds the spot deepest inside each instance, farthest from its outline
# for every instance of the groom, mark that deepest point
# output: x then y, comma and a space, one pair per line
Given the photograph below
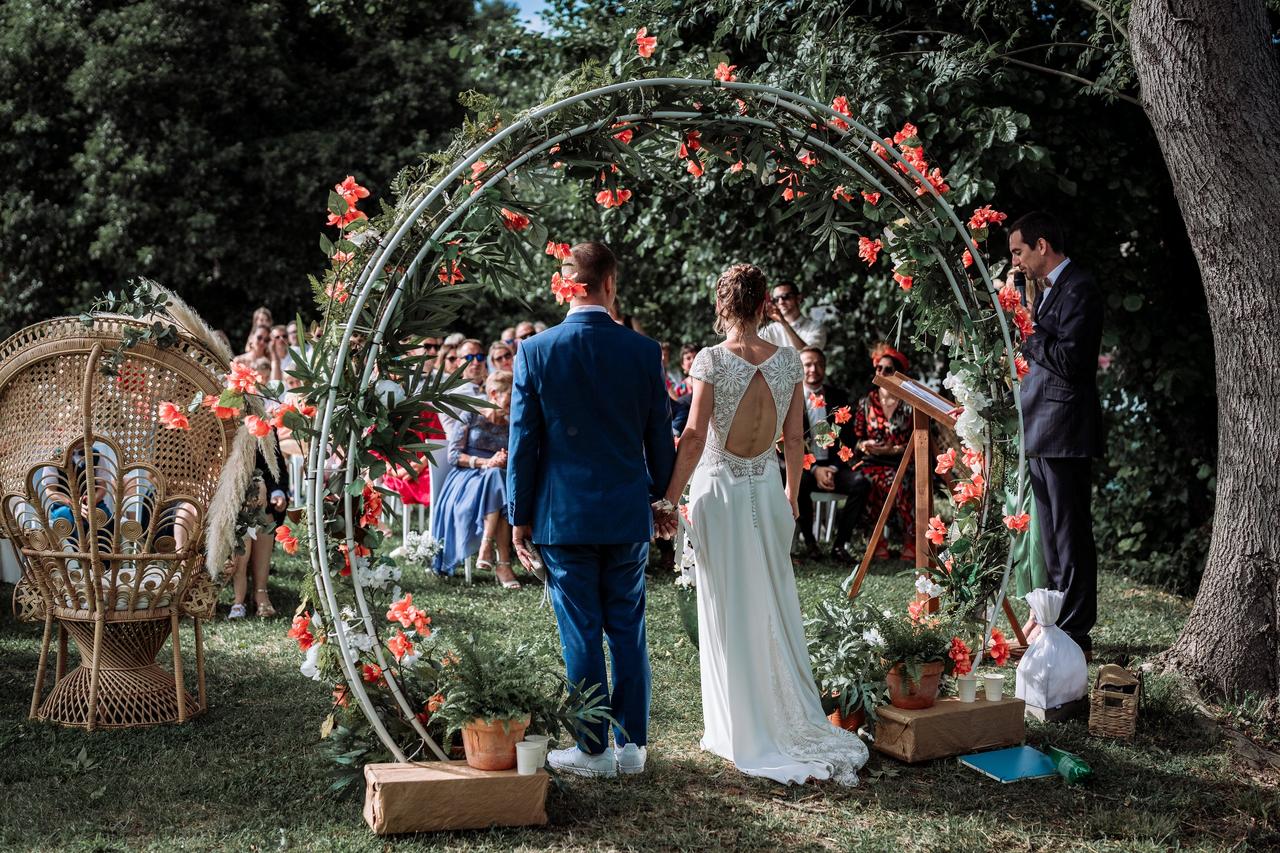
590, 456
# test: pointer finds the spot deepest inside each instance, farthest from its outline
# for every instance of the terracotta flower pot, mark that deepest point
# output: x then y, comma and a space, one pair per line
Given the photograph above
905, 693
850, 723
491, 745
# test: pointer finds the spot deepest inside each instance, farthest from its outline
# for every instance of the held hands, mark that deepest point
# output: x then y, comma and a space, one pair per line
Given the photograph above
665, 523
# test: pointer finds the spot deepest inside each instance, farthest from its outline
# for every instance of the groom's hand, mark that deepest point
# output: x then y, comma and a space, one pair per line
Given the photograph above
520, 536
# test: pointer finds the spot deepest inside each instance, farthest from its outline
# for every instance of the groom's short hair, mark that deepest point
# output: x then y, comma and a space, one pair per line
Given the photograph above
591, 264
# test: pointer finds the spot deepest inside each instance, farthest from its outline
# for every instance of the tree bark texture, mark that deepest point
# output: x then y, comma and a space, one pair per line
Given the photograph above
1210, 81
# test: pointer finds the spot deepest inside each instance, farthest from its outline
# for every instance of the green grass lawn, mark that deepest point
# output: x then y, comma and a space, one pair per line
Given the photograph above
249, 776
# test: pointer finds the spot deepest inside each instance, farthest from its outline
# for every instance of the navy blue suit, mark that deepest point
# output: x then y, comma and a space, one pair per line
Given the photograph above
590, 449
1062, 423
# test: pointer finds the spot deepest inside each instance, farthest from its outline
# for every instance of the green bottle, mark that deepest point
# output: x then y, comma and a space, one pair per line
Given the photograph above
1071, 767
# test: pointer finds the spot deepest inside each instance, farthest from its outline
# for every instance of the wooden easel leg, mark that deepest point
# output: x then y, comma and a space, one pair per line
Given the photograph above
44, 660
878, 530
1014, 623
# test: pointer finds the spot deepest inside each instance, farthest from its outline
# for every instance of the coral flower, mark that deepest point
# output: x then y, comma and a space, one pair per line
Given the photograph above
403, 611
843, 415
840, 105
371, 673
984, 216
1018, 523
513, 221
916, 609
345, 219
566, 288
613, 198
284, 532
171, 417
692, 142
841, 194
967, 259
1009, 297
350, 191
738, 166
817, 401
871, 198
372, 506
435, 703
399, 645
559, 251
937, 531
422, 625
693, 167
724, 73
221, 412
869, 250
946, 461
338, 292
1020, 364
999, 647
1022, 320
257, 426
624, 136
300, 630
340, 258
961, 655
645, 43
973, 459
242, 378
808, 160
477, 169
277, 418
845, 453
450, 273
904, 281
809, 459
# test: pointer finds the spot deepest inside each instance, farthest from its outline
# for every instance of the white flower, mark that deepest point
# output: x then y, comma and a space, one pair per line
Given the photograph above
872, 637
888, 613
361, 641
927, 587
309, 666
686, 582
409, 660
389, 388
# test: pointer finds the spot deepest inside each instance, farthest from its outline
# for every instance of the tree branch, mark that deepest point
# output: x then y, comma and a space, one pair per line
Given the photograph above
1076, 77
1106, 13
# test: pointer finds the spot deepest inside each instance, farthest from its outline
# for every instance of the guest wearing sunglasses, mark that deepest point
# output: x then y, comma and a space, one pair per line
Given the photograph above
882, 428
508, 337
524, 330
501, 356
790, 326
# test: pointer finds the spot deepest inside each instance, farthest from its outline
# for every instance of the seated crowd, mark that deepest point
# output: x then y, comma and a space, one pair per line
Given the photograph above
873, 431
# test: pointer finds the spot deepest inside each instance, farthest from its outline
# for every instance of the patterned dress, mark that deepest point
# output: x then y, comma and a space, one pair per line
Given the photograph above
870, 422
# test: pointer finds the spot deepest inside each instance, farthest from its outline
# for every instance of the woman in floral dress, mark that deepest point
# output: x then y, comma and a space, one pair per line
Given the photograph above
882, 425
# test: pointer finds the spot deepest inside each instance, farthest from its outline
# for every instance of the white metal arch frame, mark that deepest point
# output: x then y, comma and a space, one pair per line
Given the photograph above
892, 182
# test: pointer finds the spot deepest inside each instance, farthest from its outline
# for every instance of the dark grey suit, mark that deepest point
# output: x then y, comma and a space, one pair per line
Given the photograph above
1062, 422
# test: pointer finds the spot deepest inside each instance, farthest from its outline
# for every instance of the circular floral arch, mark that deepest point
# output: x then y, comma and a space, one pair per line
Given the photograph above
458, 222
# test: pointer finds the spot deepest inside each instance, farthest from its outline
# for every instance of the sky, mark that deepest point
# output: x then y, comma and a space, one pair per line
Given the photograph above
529, 10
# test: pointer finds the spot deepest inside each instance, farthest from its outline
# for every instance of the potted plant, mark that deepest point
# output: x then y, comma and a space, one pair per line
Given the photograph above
846, 659
493, 693
915, 652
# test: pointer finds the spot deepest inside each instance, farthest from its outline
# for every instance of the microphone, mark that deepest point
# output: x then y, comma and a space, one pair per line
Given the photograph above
1020, 284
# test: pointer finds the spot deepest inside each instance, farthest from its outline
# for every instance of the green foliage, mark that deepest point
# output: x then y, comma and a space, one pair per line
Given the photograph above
915, 642
140, 300
847, 665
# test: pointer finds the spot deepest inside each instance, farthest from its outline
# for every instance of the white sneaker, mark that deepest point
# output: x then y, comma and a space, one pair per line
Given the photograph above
631, 759
237, 612
579, 763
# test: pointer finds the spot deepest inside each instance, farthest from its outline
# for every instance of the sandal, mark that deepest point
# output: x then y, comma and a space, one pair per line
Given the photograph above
511, 584
263, 608
482, 563
237, 612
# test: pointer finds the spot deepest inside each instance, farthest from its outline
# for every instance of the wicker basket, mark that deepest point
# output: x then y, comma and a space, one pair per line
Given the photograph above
1114, 702
108, 510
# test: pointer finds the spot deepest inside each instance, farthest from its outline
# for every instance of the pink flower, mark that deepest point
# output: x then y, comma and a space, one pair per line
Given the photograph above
724, 73
840, 105
946, 461
1018, 523
742, 106
613, 198
399, 645
904, 281
984, 216
645, 43
350, 191
338, 292
1020, 365
738, 166
514, 221
841, 194
937, 531
916, 609
869, 250
565, 288
341, 258
871, 198
973, 459
817, 401
908, 132
477, 169
967, 259
242, 378
1008, 297
559, 251
345, 219
171, 417
693, 167
257, 426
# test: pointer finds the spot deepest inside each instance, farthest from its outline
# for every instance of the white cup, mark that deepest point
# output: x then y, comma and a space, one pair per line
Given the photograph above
528, 757
543, 741
967, 687
994, 686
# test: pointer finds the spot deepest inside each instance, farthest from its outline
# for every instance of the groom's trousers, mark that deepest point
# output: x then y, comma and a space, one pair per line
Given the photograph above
595, 590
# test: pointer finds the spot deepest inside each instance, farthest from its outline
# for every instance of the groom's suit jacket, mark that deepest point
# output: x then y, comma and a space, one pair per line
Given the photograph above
1060, 408
591, 442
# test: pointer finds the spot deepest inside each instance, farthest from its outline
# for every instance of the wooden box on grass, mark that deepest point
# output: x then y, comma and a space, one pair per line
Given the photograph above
442, 795
950, 727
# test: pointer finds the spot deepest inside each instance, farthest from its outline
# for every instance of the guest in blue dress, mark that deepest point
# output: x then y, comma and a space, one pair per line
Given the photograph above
470, 519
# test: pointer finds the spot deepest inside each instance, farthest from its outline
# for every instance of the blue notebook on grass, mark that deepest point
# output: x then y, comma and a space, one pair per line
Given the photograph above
1012, 764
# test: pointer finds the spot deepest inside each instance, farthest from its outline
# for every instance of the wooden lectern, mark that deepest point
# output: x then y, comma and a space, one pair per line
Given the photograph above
926, 404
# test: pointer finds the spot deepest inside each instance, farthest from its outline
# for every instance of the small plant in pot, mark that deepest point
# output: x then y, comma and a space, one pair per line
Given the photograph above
494, 693
916, 655
846, 658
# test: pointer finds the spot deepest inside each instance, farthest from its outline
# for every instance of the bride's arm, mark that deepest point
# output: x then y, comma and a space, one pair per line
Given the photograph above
793, 447
692, 440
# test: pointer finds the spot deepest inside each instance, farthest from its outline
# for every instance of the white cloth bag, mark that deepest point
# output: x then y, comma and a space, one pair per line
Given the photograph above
1053, 670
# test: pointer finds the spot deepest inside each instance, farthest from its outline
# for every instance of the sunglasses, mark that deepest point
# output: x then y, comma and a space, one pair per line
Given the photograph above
786, 297
504, 356
886, 369
475, 356
508, 341
526, 336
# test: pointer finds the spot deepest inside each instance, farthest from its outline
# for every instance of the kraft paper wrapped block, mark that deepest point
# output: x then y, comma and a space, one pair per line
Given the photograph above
950, 727
448, 795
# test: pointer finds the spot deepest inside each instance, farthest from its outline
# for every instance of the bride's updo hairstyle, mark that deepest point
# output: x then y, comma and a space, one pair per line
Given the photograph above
740, 294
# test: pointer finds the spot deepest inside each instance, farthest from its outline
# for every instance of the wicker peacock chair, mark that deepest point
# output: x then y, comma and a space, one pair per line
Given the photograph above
108, 510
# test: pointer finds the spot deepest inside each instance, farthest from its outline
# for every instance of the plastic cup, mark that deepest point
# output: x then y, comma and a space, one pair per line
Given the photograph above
967, 688
528, 757
995, 687
543, 741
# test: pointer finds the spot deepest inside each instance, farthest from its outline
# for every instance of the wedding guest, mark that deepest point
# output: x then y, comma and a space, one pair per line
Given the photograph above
501, 356
673, 373
280, 349
446, 358
455, 339
1062, 416
472, 499
412, 483
790, 327
268, 497
829, 473
508, 337
524, 330
262, 317
882, 431
539, 327
682, 394
258, 344
474, 369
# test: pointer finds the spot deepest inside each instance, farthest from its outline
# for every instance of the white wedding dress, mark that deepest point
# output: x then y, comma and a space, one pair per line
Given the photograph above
760, 704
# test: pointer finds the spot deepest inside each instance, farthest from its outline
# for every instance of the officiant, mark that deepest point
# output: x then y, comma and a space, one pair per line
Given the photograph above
1062, 418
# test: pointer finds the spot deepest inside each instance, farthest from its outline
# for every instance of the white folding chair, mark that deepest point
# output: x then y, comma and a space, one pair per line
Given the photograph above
824, 516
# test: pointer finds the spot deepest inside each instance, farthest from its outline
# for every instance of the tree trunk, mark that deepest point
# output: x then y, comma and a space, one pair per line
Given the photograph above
1211, 87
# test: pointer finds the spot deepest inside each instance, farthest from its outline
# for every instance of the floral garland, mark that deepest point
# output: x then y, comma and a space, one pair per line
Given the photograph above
408, 271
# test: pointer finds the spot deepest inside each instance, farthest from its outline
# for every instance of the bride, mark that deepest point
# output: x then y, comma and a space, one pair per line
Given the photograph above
760, 705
